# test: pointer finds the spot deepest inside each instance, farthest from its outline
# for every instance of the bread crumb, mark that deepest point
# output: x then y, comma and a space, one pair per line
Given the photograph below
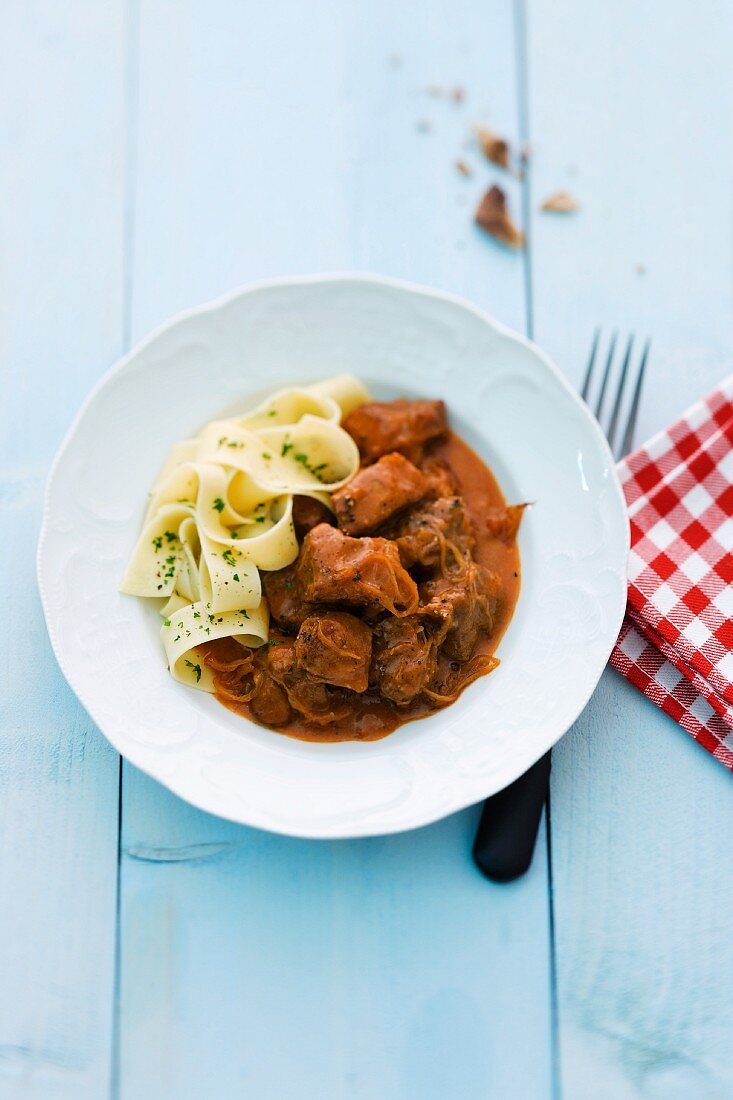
494, 147
463, 168
493, 216
640, 269
561, 202
458, 94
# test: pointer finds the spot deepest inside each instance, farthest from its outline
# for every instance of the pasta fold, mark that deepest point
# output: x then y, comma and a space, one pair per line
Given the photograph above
221, 510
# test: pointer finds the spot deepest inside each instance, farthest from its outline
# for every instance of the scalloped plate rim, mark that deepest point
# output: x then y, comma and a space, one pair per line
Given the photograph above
254, 818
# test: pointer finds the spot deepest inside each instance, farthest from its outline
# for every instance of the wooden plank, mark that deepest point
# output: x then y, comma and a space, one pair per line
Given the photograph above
274, 139
641, 817
385, 967
61, 210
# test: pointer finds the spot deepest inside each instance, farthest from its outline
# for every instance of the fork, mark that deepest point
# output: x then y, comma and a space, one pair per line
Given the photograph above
507, 832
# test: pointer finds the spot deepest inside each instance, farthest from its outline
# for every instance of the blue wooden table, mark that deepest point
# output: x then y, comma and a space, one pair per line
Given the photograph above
157, 153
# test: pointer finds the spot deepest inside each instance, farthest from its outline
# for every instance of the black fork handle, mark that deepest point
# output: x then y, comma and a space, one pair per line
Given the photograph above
507, 831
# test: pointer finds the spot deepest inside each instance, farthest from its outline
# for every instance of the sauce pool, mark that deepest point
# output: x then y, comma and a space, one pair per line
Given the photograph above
372, 717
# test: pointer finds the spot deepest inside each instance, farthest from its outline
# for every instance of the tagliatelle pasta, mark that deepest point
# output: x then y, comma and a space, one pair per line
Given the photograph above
221, 511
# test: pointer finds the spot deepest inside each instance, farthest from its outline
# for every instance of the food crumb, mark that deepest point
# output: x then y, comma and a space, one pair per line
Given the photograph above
561, 202
640, 269
493, 216
463, 168
457, 94
494, 147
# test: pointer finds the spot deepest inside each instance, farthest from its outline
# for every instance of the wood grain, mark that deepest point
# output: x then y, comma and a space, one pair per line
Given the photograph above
61, 226
158, 153
279, 139
640, 129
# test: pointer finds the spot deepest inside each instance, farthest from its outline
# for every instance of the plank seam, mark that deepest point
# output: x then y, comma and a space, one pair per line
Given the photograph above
520, 19
131, 102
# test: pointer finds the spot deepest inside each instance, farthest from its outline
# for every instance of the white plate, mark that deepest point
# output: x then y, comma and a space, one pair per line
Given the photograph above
504, 397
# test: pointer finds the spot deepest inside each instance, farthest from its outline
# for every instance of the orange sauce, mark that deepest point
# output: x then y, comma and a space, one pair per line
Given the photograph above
372, 717
480, 490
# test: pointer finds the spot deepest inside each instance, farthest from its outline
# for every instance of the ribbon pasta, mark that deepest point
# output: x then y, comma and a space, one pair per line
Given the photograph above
221, 511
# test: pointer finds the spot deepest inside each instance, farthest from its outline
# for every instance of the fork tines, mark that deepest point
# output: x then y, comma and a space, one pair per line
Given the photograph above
621, 373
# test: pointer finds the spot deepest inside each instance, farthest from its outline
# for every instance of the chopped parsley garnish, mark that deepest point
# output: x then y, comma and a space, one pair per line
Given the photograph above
196, 669
266, 455
236, 576
197, 614
285, 448
166, 622
228, 557
158, 542
306, 464
222, 441
259, 519
170, 536
218, 504
272, 412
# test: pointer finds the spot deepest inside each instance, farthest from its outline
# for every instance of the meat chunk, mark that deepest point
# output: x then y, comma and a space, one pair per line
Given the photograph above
335, 648
459, 606
314, 700
336, 569
287, 607
451, 677
376, 493
503, 523
440, 479
404, 426
430, 534
269, 703
404, 658
307, 514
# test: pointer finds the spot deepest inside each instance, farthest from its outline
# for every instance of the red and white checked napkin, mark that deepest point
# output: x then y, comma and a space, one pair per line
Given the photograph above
676, 643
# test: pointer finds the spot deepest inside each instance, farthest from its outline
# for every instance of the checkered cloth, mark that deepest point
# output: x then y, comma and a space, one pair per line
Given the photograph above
676, 644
